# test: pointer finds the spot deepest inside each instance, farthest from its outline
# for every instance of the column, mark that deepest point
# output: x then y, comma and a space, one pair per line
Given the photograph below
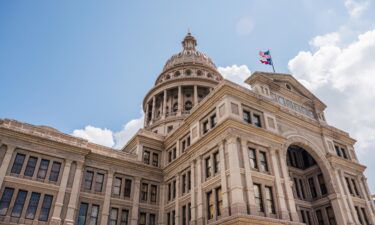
180, 104
161, 204
56, 215
192, 193
288, 187
146, 114
107, 198
200, 215
346, 211
370, 216
223, 178
6, 162
137, 186
238, 205
350, 206
164, 109
364, 182
195, 95
74, 195
249, 179
177, 205
283, 211
153, 109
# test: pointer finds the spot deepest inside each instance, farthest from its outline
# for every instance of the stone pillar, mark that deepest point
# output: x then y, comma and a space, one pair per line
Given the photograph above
223, 178
348, 197
192, 193
107, 198
364, 182
283, 211
177, 205
153, 108
180, 103
288, 187
200, 215
164, 108
162, 195
6, 162
146, 114
137, 186
59, 203
74, 195
195, 95
342, 197
238, 204
370, 216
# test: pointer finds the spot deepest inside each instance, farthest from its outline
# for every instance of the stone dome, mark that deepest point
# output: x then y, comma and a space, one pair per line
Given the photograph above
189, 55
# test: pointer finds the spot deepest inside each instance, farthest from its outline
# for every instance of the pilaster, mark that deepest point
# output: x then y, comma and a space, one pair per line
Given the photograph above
192, 193
195, 95
162, 195
134, 216
74, 195
6, 162
223, 178
180, 104
107, 198
200, 215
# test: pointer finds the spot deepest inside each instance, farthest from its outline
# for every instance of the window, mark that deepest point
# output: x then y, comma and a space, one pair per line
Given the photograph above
303, 216
99, 179
263, 161
5, 200
205, 126
246, 116
210, 205
169, 191
258, 197
189, 180
302, 188
30, 167
18, 205
322, 184
88, 180
269, 200
142, 218
81, 220
113, 216
296, 186
33, 206
174, 189
308, 217
117, 186
319, 217
355, 187
341, 151
330, 215
184, 215
213, 120
364, 215
18, 163
312, 187
183, 183
144, 192
257, 121
349, 186
253, 158
42, 172
128, 187
154, 191
174, 153
152, 219
219, 201
94, 215
216, 162
55, 170
170, 156
124, 217
208, 167
155, 159
46, 207
146, 157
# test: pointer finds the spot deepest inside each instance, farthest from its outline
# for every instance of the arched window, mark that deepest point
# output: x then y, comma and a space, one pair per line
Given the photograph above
188, 105
188, 72
209, 75
167, 77
177, 73
199, 73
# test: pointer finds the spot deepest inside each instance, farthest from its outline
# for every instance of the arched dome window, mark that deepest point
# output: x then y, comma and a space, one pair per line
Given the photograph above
175, 107
188, 105
177, 73
167, 77
209, 75
188, 72
199, 73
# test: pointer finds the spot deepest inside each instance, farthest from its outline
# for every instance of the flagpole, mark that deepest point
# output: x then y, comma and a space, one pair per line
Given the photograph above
273, 68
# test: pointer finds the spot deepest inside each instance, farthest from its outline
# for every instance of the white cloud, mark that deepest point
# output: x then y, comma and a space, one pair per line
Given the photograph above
237, 74
327, 39
244, 26
356, 8
109, 138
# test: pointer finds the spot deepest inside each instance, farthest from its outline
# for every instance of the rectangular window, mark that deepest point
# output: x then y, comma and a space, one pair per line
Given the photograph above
33, 205
303, 216
174, 189
142, 218
154, 191
349, 186
30, 167
170, 156
189, 180
94, 215
43, 167
124, 217
183, 145
257, 121
55, 171
99, 179
355, 187
219, 201
343, 151
184, 215
189, 212
246, 116
358, 214
308, 218
128, 188
312, 187
330, 215
146, 157
113, 216
144, 192
208, 167
19, 203
302, 188
169, 191
5, 200
269, 200
216, 162
319, 217
117, 186
81, 220
205, 126
210, 205
173, 217
18, 163
213, 120
258, 197
155, 159
89, 175
322, 184
46, 207
364, 215
168, 218
152, 219
174, 153
263, 161
183, 183
253, 158
296, 186
338, 151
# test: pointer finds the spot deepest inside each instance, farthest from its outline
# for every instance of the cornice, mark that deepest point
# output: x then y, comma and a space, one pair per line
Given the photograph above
347, 164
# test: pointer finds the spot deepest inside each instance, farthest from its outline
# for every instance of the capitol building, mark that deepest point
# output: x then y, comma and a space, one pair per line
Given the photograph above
210, 152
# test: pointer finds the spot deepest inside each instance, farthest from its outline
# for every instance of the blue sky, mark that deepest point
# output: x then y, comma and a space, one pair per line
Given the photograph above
70, 64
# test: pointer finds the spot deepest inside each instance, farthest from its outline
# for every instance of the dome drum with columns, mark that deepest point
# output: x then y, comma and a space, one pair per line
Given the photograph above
186, 79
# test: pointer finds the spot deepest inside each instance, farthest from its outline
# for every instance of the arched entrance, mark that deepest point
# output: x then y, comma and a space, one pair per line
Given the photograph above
310, 187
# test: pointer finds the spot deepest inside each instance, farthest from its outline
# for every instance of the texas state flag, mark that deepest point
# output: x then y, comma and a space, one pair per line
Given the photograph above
265, 57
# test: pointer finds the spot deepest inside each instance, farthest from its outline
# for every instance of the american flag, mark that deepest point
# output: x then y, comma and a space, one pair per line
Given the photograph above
265, 57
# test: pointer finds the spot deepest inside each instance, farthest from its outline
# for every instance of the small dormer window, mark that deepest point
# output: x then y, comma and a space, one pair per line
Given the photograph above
288, 86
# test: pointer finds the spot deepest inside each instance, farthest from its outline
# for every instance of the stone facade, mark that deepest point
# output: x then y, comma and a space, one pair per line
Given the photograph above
211, 152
